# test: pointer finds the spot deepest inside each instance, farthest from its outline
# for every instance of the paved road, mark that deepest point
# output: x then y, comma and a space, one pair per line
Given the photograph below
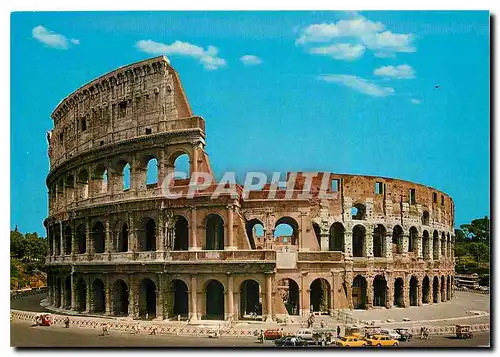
24, 335
29, 303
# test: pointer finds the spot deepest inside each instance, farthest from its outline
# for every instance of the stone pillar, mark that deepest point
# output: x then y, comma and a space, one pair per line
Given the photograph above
303, 301
230, 227
406, 240
420, 251
74, 242
406, 292
388, 244
348, 282
160, 236
230, 297
369, 292
62, 288
131, 298
88, 297
193, 294
61, 238
348, 243
389, 291
269, 298
132, 233
419, 291
193, 226
369, 243
88, 242
194, 163
325, 243
73, 292
107, 294
160, 305
438, 290
107, 237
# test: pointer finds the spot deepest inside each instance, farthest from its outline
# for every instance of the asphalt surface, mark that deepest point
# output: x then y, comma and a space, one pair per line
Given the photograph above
29, 303
23, 334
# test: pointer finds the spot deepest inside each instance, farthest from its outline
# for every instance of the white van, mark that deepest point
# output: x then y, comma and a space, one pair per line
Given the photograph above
391, 333
305, 333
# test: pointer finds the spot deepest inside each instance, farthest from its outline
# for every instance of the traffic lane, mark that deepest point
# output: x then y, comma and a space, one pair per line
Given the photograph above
29, 303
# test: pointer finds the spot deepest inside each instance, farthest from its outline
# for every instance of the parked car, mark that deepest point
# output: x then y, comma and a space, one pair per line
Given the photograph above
290, 341
391, 333
272, 334
305, 333
350, 341
381, 341
404, 333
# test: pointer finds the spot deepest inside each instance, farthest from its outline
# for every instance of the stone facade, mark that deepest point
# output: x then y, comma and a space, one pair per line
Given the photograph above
125, 249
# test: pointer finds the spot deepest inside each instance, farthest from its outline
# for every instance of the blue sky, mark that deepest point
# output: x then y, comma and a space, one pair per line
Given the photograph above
280, 91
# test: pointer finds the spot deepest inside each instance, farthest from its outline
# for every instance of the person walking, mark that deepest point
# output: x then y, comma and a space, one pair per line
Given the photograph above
105, 329
338, 331
66, 322
261, 336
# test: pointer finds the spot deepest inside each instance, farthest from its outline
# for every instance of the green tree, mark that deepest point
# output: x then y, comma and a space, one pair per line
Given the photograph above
478, 230
480, 251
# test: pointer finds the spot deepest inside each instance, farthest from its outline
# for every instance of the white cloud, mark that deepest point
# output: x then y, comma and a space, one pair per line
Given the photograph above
340, 51
402, 71
415, 101
358, 83
250, 60
208, 58
52, 39
357, 31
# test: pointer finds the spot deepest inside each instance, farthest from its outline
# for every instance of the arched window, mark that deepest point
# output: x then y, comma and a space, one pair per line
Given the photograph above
126, 177
182, 167
214, 232
397, 239
255, 232
152, 172
336, 242
83, 184
412, 241
425, 218
286, 230
358, 211
358, 241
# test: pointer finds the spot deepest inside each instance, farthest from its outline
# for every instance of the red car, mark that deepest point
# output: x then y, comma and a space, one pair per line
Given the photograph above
272, 334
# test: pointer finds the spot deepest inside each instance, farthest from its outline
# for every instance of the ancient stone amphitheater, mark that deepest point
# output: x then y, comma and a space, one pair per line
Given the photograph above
120, 247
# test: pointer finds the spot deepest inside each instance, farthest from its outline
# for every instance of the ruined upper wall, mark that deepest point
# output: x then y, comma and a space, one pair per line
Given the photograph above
139, 99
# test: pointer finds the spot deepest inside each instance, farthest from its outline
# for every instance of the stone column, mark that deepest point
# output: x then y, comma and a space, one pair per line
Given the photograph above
107, 237
389, 291
325, 243
431, 249
230, 227
269, 294
160, 237
62, 300
230, 297
74, 242
388, 244
160, 305
303, 301
88, 298
419, 291
406, 292
194, 162
107, 294
406, 239
369, 243
193, 226
73, 292
131, 298
348, 243
438, 290
348, 282
132, 233
420, 252
369, 292
61, 238
193, 294
89, 249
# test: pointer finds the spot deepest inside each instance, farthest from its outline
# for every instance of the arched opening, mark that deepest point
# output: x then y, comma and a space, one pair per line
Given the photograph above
98, 237
81, 238
317, 233
413, 291
336, 242
255, 232
378, 241
425, 218
70, 187
152, 172
289, 292
214, 232
398, 292
320, 296
358, 211
435, 245
412, 240
358, 241
67, 292
120, 298
443, 289
379, 291
67, 240
397, 240
435, 290
98, 297
57, 240
181, 298
147, 235
214, 294
286, 230
182, 167
122, 238
100, 180
250, 299
181, 233
443, 244
147, 299
83, 184
81, 295
359, 292
448, 288
126, 177
426, 296
426, 245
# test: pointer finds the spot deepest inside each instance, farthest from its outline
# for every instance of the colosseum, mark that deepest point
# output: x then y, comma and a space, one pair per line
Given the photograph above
120, 247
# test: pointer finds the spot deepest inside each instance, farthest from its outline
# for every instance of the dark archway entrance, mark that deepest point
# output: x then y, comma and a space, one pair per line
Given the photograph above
98, 237
443, 289
122, 241
359, 292
147, 235
214, 295
435, 290
413, 291
448, 288
120, 298
320, 296
336, 242
398, 292
147, 299
378, 241
181, 233
81, 295
181, 298
397, 239
289, 292
214, 232
57, 295
358, 241
250, 299
81, 238
426, 296
379, 291
98, 296
67, 240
